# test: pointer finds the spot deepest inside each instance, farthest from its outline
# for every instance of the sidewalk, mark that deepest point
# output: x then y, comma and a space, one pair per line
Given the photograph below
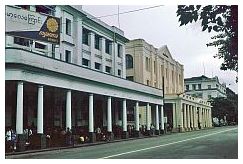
78, 145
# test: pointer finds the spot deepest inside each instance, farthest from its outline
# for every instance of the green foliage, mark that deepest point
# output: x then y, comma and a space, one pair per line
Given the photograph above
225, 107
221, 19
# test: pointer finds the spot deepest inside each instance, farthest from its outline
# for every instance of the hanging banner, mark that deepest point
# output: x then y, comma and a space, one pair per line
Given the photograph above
32, 25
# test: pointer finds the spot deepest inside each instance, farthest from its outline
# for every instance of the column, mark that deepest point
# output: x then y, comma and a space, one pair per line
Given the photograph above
78, 41
184, 116
162, 119
157, 119
19, 117
188, 117
137, 132
174, 116
124, 62
40, 110
114, 58
207, 117
68, 110
41, 136
195, 118
210, 117
102, 40
20, 105
200, 117
192, 119
91, 119
203, 123
124, 118
92, 47
109, 121
147, 117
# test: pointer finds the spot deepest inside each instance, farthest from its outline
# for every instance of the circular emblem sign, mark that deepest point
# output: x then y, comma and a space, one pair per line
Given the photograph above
52, 25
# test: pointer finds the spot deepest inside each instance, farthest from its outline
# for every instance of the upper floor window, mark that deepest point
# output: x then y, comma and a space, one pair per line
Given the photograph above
97, 65
107, 69
26, 7
108, 48
40, 46
68, 27
187, 87
147, 63
119, 49
44, 9
68, 56
22, 41
119, 72
85, 62
129, 61
97, 42
209, 86
130, 78
193, 86
199, 86
85, 36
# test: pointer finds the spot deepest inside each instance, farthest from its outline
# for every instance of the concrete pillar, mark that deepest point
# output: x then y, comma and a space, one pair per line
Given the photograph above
114, 58
40, 110
124, 119
207, 117
41, 141
19, 116
124, 62
91, 119
210, 117
109, 121
174, 117
184, 116
157, 119
162, 119
191, 117
137, 132
147, 116
68, 110
200, 117
92, 47
195, 117
188, 118
91, 114
203, 118
20, 105
102, 40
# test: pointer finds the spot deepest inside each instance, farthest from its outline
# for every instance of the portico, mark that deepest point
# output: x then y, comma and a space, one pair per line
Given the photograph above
67, 96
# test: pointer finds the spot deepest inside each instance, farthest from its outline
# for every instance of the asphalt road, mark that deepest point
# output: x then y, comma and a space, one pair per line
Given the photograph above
216, 143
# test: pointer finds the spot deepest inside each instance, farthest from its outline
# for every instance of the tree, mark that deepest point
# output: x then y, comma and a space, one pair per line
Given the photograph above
221, 19
225, 107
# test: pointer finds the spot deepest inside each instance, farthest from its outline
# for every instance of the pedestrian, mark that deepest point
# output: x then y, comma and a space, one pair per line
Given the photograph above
13, 140
8, 139
68, 137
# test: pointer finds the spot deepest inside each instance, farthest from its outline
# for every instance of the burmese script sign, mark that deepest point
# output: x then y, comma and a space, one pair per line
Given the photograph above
32, 25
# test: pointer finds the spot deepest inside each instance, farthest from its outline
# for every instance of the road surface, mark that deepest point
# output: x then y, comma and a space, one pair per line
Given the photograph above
215, 143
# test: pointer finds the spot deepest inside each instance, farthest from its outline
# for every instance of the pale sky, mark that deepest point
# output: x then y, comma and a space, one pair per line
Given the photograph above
159, 26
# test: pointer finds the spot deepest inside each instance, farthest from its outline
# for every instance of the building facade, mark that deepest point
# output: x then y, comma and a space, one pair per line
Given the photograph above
205, 87
156, 68
78, 84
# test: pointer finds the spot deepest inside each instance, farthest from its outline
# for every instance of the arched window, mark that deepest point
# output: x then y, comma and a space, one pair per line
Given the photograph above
129, 61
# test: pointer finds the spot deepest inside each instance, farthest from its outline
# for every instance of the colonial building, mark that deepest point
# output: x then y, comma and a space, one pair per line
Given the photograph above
156, 68
205, 87
71, 79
